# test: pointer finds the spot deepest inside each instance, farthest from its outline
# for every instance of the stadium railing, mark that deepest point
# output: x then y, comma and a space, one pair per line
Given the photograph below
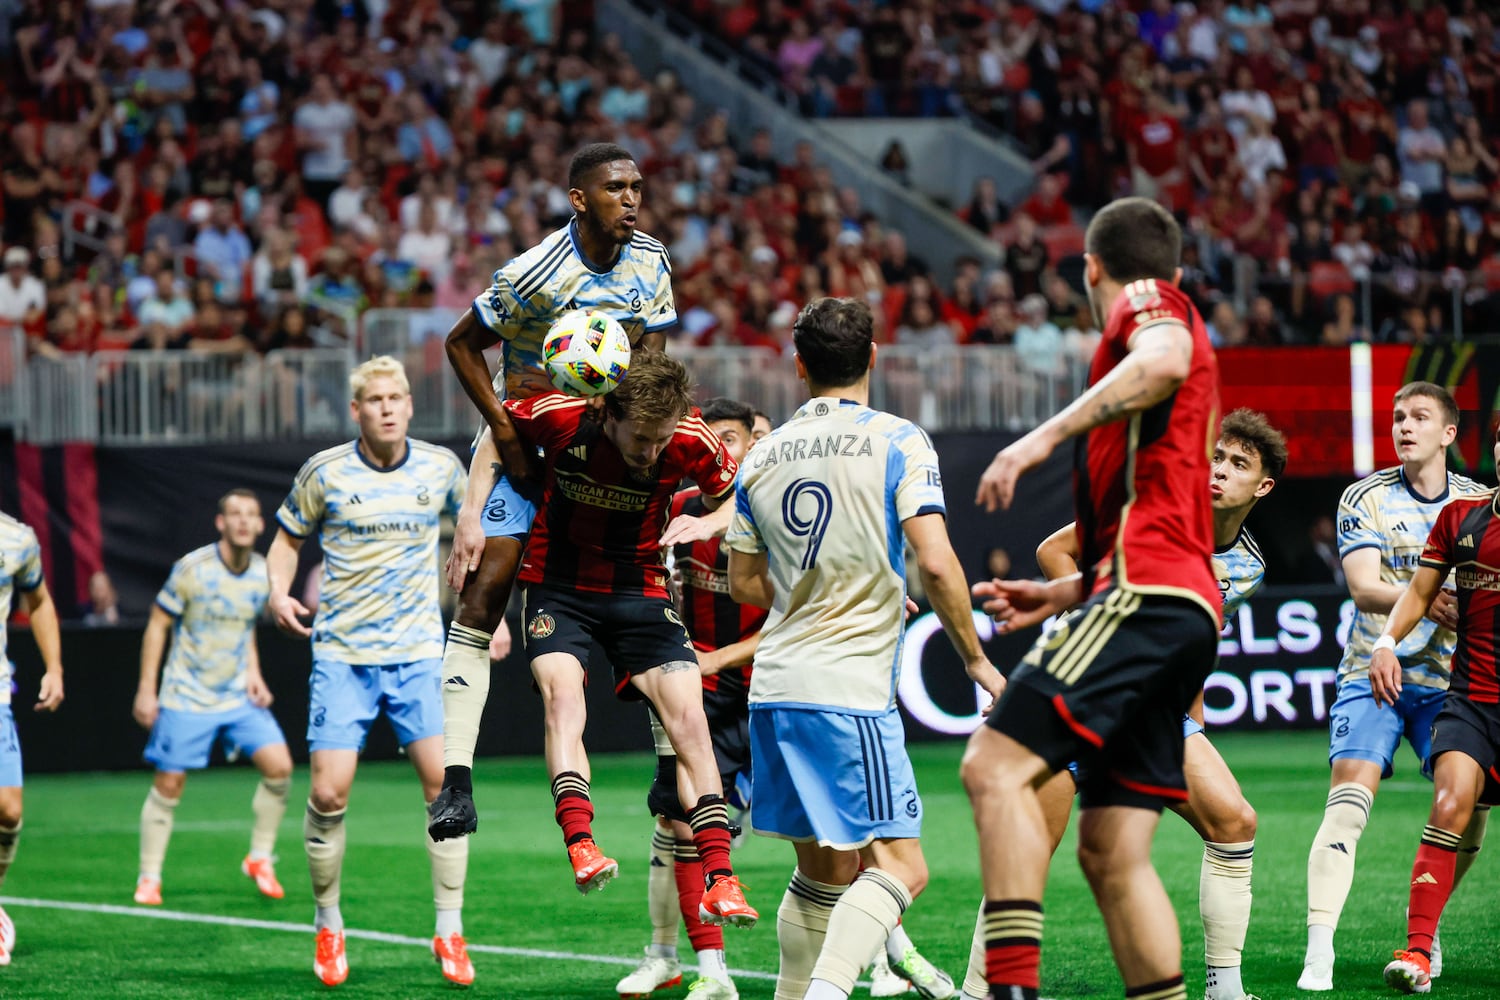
12, 376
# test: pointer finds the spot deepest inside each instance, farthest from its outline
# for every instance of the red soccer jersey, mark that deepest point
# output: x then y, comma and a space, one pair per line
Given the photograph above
1466, 538
1144, 519
713, 618
600, 521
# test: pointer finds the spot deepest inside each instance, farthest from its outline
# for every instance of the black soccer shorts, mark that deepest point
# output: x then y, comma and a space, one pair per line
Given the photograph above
637, 633
1107, 686
1473, 729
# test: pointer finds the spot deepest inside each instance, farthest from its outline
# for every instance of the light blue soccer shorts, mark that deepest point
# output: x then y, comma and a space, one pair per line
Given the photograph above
10, 750
507, 514
182, 741
1190, 726
345, 699
842, 780
1361, 730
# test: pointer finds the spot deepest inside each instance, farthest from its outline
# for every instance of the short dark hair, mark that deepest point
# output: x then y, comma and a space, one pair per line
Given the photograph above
1251, 429
1135, 238
1434, 392
655, 388
595, 154
833, 338
762, 414
238, 493
722, 408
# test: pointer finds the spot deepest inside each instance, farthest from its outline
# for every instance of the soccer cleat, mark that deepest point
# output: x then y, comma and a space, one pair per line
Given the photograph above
452, 814
1242, 996
927, 979
1435, 965
148, 891
452, 953
1317, 975
7, 938
724, 903
884, 982
261, 870
591, 869
1409, 972
654, 973
329, 962
708, 988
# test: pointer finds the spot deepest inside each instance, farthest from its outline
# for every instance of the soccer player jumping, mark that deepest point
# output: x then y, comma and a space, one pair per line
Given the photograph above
593, 572
597, 261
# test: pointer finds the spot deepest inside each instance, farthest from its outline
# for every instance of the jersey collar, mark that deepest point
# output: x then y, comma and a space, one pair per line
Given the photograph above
828, 404
382, 469
1447, 487
578, 251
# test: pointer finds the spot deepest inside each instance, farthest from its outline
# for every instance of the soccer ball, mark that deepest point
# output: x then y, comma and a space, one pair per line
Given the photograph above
586, 353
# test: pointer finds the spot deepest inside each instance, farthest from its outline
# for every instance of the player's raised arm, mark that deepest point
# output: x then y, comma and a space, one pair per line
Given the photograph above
49, 642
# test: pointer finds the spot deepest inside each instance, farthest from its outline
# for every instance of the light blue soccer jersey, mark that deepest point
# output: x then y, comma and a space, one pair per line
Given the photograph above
378, 596
824, 495
553, 277
1382, 512
214, 609
1240, 569
20, 573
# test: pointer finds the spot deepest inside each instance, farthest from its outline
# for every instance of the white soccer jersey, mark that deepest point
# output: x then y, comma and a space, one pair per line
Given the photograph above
20, 573
824, 496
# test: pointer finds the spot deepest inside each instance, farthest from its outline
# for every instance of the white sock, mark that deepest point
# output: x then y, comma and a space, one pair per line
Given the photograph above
329, 917
661, 889
662, 950
896, 944
450, 922
1224, 983
1330, 862
1319, 942
711, 964
822, 989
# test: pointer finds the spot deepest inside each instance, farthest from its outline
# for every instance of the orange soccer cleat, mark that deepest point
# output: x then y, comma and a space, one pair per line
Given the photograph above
724, 903
591, 869
148, 891
7, 938
1409, 972
452, 953
264, 874
329, 962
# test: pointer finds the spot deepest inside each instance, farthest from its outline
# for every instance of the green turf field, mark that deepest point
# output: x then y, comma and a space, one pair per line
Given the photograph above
80, 840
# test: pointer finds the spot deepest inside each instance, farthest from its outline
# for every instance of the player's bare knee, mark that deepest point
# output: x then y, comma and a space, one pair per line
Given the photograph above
481, 604
1450, 810
169, 784
1236, 825
326, 798
10, 811
984, 779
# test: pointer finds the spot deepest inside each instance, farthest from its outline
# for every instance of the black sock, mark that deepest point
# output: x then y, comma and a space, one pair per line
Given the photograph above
458, 778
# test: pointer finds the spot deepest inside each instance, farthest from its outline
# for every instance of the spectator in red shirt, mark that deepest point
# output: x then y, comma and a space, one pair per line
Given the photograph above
1157, 154
1046, 204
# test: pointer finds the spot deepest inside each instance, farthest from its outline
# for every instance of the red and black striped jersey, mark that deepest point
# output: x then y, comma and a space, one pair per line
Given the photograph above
600, 522
1145, 523
1466, 539
713, 618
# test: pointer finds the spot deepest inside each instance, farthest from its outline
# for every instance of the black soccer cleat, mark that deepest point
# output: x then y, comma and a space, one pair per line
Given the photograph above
452, 814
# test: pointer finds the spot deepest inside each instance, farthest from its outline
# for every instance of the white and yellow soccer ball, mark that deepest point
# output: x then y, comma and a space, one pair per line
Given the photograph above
586, 353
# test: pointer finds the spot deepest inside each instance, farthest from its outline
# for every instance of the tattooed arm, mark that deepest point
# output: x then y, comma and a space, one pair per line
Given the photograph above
1158, 361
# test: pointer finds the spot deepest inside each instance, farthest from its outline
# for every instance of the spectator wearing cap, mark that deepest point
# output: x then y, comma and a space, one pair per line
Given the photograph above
23, 297
1039, 343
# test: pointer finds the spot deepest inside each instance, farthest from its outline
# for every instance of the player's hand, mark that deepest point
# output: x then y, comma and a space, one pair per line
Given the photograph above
145, 708
709, 662
288, 613
500, 642
1385, 677
1017, 604
997, 487
911, 609
686, 529
256, 690
51, 694
1444, 609
468, 548
983, 673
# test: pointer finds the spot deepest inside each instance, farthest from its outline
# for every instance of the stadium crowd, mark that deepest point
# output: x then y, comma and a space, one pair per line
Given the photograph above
1309, 147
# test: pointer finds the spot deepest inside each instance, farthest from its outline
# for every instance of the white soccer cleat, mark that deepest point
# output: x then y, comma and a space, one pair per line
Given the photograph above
1437, 955
7, 937
884, 982
1317, 976
654, 973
